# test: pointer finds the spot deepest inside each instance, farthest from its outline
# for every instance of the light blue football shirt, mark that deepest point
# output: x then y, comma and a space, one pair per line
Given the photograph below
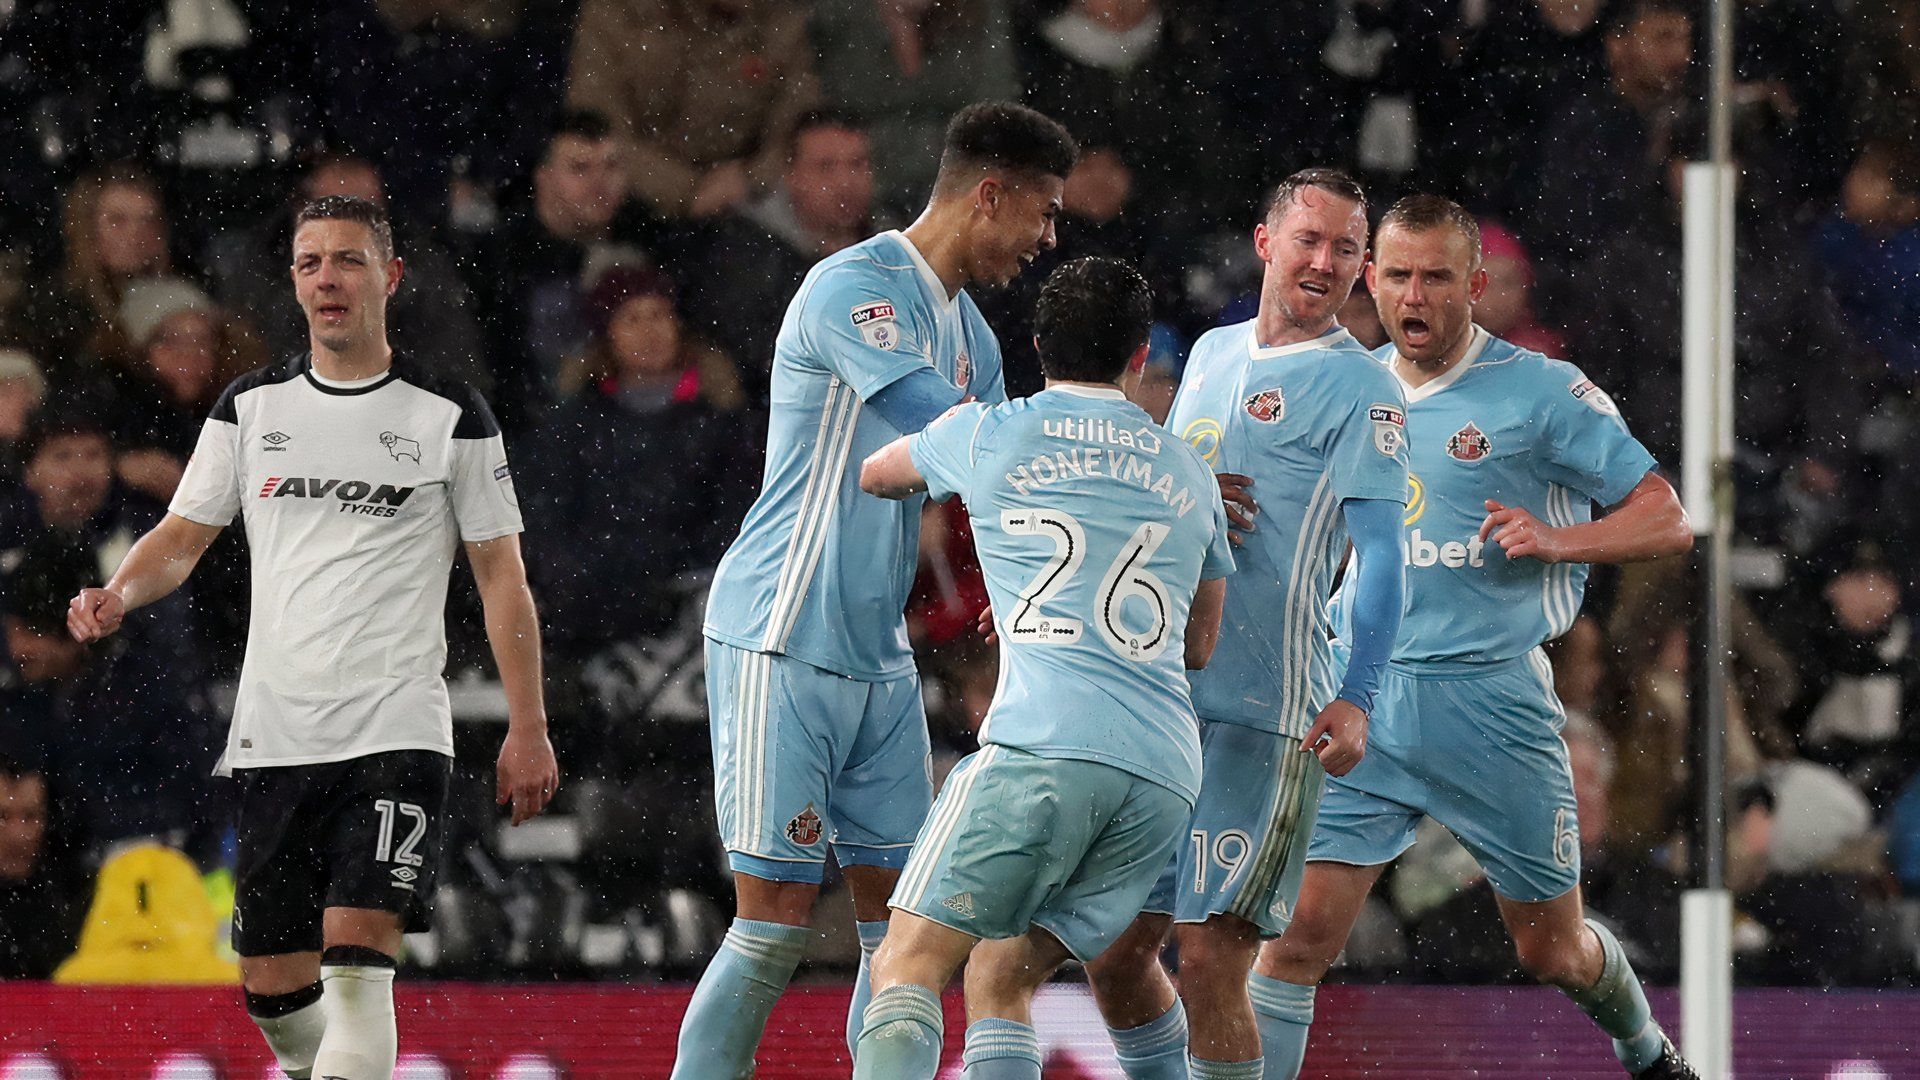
1314, 424
1516, 427
1094, 526
821, 570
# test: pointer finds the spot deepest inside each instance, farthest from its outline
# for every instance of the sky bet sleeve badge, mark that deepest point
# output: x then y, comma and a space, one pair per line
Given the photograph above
876, 324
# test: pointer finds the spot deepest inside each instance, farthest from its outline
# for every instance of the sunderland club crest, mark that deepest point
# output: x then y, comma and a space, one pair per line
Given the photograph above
1469, 444
1267, 406
804, 829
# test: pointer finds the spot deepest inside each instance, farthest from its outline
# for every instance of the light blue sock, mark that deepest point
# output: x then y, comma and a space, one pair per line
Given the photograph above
871, 935
1001, 1050
1284, 1013
1157, 1049
729, 1011
1619, 1005
901, 1039
1224, 1070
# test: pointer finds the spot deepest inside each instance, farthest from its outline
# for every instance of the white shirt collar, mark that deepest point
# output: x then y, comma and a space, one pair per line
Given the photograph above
1089, 391
1324, 341
934, 284
1433, 386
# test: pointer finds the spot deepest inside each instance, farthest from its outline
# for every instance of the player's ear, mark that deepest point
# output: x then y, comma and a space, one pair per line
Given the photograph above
396, 269
1477, 285
1262, 241
987, 195
1366, 272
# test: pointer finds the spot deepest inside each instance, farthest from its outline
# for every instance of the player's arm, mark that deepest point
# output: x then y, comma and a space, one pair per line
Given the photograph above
527, 774
1203, 622
1376, 601
1649, 523
160, 562
890, 473
915, 399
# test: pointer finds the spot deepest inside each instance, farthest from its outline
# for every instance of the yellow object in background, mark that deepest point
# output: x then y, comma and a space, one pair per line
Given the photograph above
151, 922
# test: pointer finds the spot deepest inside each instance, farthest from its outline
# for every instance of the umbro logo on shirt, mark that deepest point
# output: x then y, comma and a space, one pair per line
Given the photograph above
276, 440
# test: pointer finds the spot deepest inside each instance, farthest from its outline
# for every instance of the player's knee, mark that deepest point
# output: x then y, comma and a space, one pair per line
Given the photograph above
998, 978
1303, 955
1217, 952
1550, 959
1130, 962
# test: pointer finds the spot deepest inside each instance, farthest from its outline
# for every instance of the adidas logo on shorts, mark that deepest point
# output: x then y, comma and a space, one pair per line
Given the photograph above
961, 903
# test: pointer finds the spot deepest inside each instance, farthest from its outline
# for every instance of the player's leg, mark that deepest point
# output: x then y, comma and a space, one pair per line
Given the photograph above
904, 1025
1289, 968
1239, 873
279, 885
382, 822
879, 802
1506, 790
1143, 1013
775, 722
1001, 979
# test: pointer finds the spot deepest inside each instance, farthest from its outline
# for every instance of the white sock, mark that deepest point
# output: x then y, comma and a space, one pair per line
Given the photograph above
361, 1042
293, 1024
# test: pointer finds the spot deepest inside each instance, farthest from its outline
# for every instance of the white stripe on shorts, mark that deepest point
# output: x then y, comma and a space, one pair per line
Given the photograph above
918, 873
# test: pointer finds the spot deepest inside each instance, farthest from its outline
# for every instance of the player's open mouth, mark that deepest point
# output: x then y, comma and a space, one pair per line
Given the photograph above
1314, 288
336, 311
1415, 331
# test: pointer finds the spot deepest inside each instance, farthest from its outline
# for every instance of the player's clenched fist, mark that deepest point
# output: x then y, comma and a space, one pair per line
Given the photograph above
1338, 736
94, 614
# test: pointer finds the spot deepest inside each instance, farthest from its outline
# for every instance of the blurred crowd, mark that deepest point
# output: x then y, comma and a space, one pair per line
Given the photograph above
604, 206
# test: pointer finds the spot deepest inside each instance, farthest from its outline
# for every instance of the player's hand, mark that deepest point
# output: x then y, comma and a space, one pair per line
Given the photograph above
1338, 736
1520, 534
527, 773
985, 625
1236, 492
94, 614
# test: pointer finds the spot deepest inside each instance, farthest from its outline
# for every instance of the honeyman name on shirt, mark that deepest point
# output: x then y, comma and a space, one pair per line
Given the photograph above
1083, 462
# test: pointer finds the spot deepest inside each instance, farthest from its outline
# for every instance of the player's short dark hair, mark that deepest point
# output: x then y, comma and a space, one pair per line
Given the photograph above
1418, 213
999, 135
1619, 16
350, 208
818, 120
1337, 181
589, 125
1093, 315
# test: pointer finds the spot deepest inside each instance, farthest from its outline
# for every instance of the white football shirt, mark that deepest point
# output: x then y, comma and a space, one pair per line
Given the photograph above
355, 498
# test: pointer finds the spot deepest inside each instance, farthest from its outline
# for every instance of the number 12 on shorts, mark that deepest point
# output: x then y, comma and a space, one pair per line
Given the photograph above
1227, 850
389, 812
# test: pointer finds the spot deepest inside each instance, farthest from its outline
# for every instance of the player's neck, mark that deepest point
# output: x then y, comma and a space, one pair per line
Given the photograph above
1051, 383
1273, 328
939, 237
354, 364
1420, 374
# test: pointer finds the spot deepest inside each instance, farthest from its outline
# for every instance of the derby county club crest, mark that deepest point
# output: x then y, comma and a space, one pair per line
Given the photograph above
1267, 406
1469, 444
804, 829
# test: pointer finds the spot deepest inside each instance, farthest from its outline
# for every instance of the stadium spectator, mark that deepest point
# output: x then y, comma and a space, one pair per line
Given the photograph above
1506, 308
1800, 860
704, 92
411, 84
1517, 68
42, 898
1129, 76
127, 732
1870, 246
1603, 157
434, 326
902, 67
741, 271
22, 388
1790, 70
1858, 709
1630, 330
115, 229
644, 472
184, 350
532, 275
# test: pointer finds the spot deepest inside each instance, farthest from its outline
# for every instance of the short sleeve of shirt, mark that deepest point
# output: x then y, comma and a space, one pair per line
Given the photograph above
857, 327
1367, 452
480, 484
1589, 448
944, 451
1218, 562
209, 490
